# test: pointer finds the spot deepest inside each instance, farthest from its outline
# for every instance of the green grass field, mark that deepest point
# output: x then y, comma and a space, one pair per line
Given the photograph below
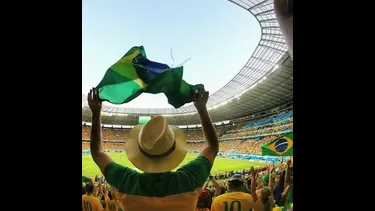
89, 168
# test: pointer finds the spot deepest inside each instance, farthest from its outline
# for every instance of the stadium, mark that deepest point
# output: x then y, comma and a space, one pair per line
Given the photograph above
251, 109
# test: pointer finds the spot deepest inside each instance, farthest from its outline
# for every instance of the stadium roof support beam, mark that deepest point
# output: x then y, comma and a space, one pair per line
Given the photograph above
271, 27
221, 90
257, 5
268, 20
272, 48
242, 84
264, 12
263, 60
273, 34
274, 41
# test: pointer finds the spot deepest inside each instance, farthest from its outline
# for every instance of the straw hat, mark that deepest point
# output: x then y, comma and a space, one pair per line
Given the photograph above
156, 147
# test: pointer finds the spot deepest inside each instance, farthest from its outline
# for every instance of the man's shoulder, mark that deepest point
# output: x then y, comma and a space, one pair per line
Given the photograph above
197, 164
115, 172
246, 196
90, 198
238, 195
121, 177
220, 197
196, 170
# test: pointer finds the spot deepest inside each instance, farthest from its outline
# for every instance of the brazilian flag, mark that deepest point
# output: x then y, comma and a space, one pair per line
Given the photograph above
134, 74
282, 146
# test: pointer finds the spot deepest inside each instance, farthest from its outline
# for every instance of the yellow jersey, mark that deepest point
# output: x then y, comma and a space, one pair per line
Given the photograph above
91, 203
233, 201
111, 205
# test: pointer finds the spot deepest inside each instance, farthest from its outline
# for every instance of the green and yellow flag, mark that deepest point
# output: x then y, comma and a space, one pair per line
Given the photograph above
134, 74
282, 146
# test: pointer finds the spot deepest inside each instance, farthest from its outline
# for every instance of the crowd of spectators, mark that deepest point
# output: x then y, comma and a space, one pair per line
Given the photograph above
233, 138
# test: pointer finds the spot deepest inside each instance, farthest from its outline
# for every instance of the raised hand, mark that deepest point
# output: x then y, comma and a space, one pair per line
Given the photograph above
289, 162
253, 172
94, 101
270, 169
201, 98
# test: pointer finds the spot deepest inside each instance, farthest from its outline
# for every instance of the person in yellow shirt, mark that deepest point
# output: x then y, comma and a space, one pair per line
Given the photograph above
111, 202
235, 199
89, 201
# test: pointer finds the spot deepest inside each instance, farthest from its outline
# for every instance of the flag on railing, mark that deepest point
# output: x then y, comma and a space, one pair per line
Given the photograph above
282, 146
134, 74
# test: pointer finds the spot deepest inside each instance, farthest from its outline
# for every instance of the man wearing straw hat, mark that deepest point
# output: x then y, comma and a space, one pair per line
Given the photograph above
156, 148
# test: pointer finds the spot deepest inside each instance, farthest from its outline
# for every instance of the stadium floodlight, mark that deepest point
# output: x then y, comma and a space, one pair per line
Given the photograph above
273, 69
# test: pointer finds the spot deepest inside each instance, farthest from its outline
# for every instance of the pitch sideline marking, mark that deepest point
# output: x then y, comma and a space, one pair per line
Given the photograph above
86, 167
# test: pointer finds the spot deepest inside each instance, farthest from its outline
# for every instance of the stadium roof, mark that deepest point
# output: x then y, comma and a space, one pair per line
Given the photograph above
265, 81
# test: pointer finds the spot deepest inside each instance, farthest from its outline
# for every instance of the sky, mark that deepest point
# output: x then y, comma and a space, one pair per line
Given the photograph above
217, 35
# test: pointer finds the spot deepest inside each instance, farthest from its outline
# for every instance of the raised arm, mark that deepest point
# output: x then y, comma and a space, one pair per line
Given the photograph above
287, 171
216, 186
101, 159
270, 180
253, 184
206, 185
209, 132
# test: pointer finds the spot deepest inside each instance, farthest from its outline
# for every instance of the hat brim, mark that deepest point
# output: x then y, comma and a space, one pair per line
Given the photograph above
160, 165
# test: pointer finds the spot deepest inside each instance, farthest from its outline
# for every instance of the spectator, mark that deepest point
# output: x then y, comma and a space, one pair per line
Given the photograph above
266, 199
156, 148
235, 199
279, 186
89, 201
83, 189
204, 201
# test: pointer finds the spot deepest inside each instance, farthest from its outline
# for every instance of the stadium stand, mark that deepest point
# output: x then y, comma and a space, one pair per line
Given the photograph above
251, 125
244, 138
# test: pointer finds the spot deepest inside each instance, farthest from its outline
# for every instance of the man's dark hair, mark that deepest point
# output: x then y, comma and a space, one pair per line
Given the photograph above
204, 199
235, 184
83, 190
89, 187
222, 191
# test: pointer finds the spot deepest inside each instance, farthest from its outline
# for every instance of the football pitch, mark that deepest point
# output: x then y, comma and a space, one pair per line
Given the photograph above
89, 168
